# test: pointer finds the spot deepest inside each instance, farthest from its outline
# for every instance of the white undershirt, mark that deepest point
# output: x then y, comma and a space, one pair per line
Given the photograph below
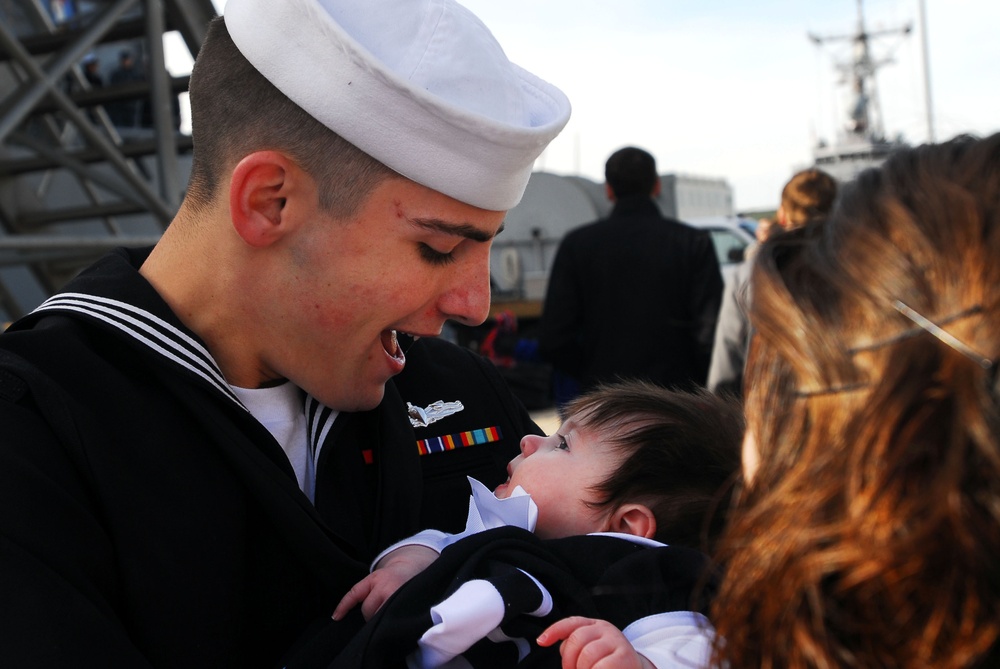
280, 410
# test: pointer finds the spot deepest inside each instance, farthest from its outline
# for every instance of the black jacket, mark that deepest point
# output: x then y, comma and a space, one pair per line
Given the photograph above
147, 519
633, 295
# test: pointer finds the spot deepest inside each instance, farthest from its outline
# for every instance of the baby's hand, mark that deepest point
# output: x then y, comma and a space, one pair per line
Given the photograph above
390, 574
591, 643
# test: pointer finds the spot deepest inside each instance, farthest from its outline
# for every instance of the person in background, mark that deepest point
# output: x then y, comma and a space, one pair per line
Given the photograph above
92, 74
204, 444
127, 112
808, 195
92, 71
622, 500
635, 295
869, 529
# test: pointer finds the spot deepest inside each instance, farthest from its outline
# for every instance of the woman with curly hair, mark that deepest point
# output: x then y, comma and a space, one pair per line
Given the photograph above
869, 529
810, 194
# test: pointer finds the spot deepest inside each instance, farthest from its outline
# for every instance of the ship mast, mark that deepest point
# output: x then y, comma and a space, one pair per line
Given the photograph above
863, 122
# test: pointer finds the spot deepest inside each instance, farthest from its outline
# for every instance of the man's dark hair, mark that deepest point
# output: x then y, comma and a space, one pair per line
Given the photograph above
631, 171
236, 111
680, 455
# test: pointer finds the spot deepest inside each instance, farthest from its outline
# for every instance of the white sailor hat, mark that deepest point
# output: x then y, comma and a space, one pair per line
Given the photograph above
420, 85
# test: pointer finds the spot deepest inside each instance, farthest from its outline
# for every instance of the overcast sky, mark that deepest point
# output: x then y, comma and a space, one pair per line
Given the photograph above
735, 89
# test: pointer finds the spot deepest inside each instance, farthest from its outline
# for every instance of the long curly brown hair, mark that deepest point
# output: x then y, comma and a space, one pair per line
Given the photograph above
870, 534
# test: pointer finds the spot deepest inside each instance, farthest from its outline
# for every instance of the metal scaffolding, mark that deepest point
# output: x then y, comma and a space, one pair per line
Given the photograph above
89, 160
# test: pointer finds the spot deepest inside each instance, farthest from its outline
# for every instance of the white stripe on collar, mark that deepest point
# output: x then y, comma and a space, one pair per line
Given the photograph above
148, 329
319, 419
179, 347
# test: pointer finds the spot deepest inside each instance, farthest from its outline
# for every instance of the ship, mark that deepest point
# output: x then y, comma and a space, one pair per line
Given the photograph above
861, 141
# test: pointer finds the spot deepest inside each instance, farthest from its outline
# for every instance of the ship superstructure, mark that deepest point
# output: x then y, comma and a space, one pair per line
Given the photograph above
861, 141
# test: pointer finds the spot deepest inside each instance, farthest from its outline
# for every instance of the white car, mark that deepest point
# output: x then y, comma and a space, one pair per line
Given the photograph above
731, 236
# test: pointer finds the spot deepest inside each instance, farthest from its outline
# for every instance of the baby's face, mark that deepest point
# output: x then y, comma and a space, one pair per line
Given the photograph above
558, 472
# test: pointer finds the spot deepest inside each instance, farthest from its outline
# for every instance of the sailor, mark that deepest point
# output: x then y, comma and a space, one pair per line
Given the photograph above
206, 442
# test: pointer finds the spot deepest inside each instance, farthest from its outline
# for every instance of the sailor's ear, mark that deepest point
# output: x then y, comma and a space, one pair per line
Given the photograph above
634, 519
258, 193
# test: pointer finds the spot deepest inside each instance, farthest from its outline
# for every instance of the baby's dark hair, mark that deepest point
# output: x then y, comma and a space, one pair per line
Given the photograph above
681, 455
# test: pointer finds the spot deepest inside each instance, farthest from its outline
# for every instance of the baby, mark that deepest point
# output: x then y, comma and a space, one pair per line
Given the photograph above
621, 501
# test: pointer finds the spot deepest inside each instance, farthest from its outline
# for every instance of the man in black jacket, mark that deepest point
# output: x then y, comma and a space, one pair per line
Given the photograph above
203, 444
635, 295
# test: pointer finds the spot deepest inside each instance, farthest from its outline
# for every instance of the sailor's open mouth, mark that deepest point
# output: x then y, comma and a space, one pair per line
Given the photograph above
390, 342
